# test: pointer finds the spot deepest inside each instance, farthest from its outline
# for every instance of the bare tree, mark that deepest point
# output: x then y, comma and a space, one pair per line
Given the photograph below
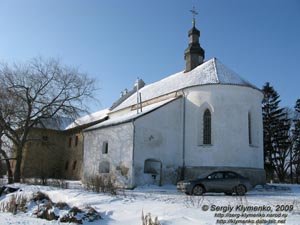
36, 91
4, 143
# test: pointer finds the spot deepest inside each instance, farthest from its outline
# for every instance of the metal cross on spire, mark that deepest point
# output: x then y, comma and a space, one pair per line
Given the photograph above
194, 12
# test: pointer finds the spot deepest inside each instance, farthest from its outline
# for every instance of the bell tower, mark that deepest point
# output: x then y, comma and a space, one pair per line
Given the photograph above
194, 54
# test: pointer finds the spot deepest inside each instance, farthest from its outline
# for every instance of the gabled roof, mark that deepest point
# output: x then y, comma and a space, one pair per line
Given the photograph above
88, 119
210, 72
132, 115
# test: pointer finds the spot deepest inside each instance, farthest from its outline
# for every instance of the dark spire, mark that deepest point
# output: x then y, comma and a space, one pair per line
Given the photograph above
194, 54
194, 12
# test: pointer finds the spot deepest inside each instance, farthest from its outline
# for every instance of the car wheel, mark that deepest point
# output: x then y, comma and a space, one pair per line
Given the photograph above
198, 190
228, 193
240, 190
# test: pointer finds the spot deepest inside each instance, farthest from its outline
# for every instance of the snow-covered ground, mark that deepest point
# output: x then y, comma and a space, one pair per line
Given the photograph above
263, 205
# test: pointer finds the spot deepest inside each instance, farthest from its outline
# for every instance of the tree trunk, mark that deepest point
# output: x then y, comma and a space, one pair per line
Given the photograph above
17, 175
8, 167
9, 172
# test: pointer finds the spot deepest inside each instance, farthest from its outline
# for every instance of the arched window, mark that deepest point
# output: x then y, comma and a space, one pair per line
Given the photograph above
152, 166
207, 127
249, 129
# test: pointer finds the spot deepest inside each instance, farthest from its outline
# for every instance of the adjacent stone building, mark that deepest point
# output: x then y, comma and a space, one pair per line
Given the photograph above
55, 148
42, 154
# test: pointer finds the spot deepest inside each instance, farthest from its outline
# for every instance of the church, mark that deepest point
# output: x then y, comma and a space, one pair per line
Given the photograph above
188, 124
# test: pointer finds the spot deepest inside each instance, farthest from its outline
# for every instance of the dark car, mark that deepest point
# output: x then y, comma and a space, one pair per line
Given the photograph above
220, 181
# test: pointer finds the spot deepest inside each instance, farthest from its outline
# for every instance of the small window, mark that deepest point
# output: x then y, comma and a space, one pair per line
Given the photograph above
45, 138
76, 140
74, 165
104, 167
105, 147
207, 127
70, 142
67, 165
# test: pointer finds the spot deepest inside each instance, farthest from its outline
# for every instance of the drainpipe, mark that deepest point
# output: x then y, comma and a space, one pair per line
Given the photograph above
132, 165
183, 137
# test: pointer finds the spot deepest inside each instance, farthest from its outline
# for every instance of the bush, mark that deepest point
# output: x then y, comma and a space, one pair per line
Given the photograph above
91, 214
76, 215
62, 205
22, 203
147, 220
194, 201
51, 182
60, 183
101, 184
40, 196
14, 204
46, 209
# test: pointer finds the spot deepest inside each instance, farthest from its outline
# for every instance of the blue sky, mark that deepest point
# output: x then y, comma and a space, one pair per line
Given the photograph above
117, 41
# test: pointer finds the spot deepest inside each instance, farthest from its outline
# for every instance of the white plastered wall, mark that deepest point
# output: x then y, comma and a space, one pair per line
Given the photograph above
229, 106
120, 147
158, 136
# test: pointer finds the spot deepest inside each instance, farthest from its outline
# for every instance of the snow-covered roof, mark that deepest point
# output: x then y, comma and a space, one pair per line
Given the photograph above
130, 115
96, 116
210, 72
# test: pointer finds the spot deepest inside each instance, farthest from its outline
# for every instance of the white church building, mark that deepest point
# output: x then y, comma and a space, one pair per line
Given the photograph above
199, 120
